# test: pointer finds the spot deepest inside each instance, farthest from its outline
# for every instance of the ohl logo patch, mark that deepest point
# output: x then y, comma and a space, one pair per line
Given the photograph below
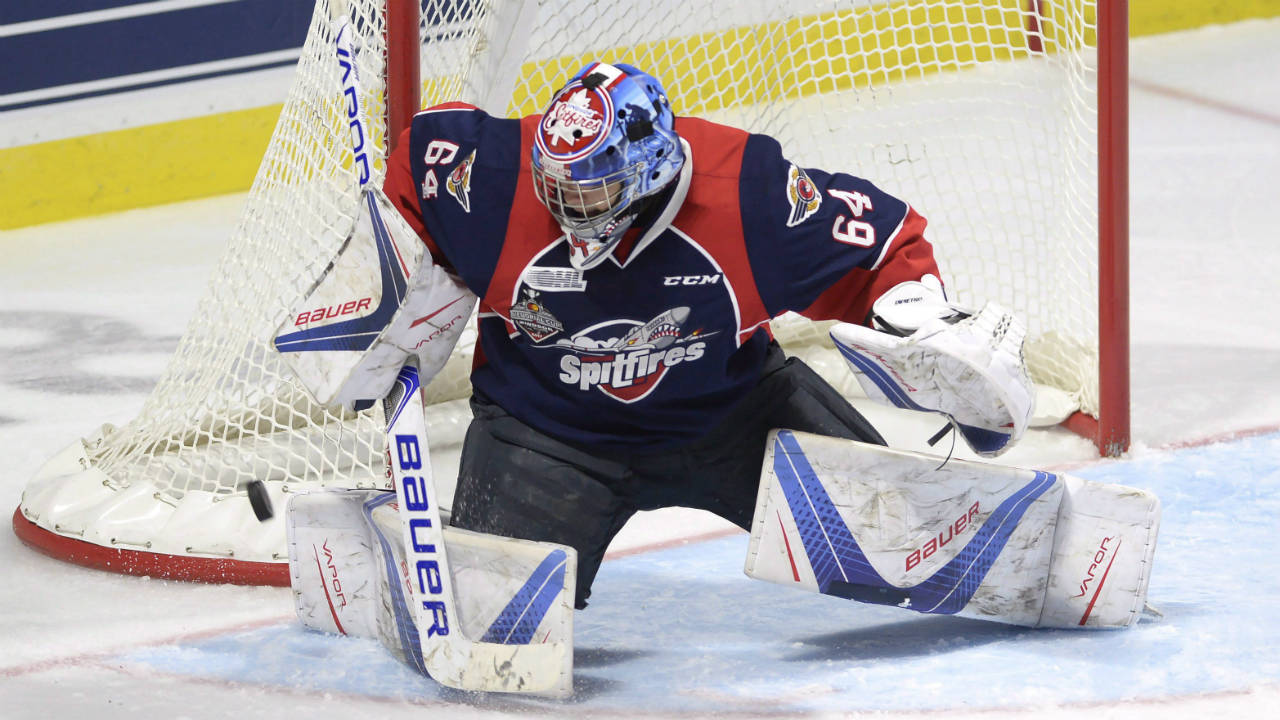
627, 359
802, 195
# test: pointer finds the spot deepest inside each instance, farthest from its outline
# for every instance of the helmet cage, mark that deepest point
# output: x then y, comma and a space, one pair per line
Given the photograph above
586, 207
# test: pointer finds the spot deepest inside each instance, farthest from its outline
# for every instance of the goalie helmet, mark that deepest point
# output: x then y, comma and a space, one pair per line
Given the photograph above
606, 142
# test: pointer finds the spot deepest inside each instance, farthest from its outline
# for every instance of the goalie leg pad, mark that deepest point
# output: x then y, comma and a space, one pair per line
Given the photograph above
349, 576
1102, 555
889, 527
332, 562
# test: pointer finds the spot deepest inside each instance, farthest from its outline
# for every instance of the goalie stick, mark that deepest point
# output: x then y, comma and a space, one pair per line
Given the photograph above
359, 119
446, 654
437, 646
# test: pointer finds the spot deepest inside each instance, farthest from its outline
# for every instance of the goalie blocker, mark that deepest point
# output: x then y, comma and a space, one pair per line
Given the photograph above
982, 541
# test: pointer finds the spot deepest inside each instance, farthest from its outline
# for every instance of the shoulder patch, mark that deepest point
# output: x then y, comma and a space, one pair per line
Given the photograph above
802, 195
459, 182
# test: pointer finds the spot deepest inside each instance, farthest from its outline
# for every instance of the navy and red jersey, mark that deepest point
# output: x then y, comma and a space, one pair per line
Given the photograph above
653, 346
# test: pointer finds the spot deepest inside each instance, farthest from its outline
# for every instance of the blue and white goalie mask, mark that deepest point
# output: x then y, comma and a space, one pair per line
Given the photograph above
606, 142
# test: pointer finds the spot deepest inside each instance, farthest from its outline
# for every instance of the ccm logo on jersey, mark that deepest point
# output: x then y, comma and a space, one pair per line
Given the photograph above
952, 531
691, 279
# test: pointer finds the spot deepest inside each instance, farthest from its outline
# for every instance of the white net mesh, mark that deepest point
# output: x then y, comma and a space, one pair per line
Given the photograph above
985, 126
225, 411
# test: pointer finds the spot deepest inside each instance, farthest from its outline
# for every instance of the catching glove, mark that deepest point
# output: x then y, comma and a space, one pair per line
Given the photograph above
928, 354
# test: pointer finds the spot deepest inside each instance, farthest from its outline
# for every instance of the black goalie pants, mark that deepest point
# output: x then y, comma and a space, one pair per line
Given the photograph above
517, 482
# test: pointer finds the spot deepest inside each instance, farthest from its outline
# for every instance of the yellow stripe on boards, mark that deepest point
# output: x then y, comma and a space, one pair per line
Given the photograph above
859, 47
135, 167
1151, 17
874, 44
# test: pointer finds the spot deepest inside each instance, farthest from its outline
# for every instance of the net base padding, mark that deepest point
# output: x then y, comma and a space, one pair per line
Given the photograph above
157, 565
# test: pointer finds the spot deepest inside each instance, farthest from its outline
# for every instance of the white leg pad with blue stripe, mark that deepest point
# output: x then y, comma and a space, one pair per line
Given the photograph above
984, 541
348, 571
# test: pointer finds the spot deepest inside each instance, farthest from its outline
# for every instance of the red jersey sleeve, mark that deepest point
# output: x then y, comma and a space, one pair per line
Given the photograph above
908, 257
401, 189
825, 245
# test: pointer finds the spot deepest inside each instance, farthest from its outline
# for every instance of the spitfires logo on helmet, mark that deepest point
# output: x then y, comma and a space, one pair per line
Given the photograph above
802, 195
576, 124
458, 183
626, 359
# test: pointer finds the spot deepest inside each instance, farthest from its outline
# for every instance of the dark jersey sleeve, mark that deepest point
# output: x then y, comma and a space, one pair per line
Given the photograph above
821, 244
453, 177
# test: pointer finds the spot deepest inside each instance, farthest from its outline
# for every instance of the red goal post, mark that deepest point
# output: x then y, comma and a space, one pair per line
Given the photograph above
1003, 121
1111, 434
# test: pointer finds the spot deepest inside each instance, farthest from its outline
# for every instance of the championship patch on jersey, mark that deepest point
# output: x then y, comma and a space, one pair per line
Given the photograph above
626, 359
531, 316
802, 195
459, 182
579, 118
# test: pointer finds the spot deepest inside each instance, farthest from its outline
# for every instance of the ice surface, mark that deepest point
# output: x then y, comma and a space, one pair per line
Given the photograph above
89, 310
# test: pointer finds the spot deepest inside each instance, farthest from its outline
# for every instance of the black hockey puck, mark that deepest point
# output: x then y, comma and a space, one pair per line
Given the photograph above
260, 500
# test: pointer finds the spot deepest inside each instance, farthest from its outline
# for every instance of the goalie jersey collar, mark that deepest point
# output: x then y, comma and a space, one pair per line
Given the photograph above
668, 213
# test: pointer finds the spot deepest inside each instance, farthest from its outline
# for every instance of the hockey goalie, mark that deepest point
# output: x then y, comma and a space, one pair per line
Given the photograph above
626, 264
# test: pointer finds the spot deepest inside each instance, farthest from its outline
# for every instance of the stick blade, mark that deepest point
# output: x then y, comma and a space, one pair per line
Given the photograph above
515, 598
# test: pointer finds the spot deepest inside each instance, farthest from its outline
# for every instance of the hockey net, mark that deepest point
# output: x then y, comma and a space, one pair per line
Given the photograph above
981, 113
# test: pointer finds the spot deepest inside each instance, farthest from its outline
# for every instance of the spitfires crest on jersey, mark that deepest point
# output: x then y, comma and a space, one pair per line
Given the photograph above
531, 316
626, 359
802, 195
458, 183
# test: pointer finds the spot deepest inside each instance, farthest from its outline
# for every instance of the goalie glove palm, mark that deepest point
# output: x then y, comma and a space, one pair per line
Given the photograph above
972, 371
